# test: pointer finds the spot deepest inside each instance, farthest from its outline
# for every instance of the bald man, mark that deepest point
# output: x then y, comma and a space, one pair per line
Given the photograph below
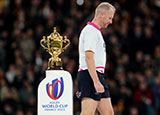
92, 88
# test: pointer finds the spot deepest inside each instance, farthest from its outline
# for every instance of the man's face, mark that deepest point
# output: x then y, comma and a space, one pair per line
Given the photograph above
107, 18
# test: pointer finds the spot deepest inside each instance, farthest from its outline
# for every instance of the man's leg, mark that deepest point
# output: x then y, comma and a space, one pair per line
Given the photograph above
105, 107
88, 106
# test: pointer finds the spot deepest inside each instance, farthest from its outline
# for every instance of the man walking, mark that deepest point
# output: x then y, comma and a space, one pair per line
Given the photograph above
93, 91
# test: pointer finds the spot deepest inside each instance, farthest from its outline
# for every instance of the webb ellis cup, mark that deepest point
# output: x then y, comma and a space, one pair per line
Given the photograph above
54, 46
55, 91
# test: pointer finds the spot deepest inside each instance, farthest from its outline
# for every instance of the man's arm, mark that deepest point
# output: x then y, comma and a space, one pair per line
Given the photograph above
89, 57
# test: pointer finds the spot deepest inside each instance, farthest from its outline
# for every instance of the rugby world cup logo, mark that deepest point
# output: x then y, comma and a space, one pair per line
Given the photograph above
55, 90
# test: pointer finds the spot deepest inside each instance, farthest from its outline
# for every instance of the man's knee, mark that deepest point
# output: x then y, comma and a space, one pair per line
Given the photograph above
111, 113
87, 112
88, 106
108, 112
105, 107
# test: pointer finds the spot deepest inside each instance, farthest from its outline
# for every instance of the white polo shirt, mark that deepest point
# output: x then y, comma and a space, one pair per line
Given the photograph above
91, 39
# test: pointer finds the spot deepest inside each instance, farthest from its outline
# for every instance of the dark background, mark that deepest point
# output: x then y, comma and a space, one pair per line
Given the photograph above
132, 43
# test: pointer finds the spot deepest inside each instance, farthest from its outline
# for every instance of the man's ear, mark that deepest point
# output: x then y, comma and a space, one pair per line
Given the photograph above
101, 14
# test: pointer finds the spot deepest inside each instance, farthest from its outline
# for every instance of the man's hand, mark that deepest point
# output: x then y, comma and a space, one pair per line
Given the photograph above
99, 87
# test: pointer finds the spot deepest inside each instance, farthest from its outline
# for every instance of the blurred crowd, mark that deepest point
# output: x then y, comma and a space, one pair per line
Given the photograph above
132, 43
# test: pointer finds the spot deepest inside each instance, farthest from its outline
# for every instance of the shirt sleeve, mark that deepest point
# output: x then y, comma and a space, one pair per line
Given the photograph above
90, 41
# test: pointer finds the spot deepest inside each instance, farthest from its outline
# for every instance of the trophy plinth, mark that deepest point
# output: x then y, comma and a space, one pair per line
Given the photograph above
53, 44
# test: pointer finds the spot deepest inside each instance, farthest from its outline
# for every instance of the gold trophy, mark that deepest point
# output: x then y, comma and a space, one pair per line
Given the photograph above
53, 44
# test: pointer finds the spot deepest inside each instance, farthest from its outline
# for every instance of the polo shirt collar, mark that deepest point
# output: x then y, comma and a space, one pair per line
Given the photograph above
94, 25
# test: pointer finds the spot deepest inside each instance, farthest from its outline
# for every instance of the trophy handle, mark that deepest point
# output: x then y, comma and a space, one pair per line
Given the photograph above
66, 40
43, 40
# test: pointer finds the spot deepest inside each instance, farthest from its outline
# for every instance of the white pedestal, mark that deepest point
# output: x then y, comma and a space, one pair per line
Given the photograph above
55, 93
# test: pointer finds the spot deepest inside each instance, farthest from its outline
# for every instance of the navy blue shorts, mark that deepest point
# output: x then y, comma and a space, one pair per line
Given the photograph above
86, 86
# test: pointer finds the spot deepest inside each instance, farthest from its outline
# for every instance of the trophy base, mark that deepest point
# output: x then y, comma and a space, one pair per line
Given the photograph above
55, 68
55, 65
